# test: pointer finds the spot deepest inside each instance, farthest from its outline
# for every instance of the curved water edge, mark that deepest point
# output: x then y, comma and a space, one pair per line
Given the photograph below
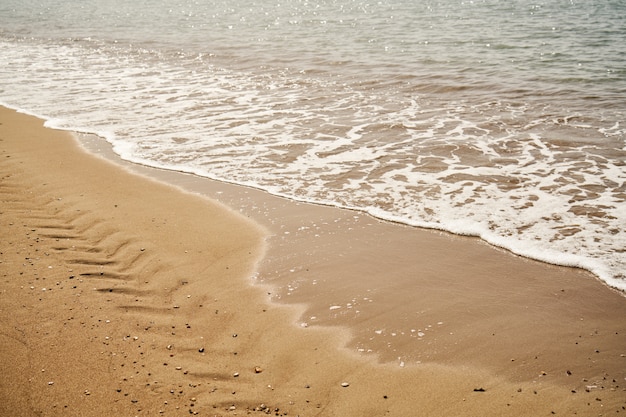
546, 256
514, 133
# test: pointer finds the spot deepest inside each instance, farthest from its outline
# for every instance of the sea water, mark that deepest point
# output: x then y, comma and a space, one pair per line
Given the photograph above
499, 119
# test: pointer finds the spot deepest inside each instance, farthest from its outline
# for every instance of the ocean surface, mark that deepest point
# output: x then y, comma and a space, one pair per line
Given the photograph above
499, 119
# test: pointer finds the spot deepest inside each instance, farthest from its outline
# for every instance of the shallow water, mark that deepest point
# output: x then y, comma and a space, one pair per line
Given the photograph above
503, 120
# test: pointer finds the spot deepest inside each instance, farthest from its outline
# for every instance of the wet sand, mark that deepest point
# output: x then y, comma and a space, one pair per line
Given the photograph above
121, 294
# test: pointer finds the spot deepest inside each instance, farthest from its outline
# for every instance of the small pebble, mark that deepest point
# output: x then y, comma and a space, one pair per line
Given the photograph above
345, 384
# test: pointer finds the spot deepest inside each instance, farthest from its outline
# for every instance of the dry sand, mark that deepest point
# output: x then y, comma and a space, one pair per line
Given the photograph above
123, 295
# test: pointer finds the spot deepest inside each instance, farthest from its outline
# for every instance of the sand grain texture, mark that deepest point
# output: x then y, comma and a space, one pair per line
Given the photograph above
122, 295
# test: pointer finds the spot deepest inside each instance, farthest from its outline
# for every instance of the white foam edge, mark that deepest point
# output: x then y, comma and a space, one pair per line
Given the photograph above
122, 149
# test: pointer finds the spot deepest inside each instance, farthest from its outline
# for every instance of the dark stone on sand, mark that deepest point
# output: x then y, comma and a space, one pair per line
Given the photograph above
479, 390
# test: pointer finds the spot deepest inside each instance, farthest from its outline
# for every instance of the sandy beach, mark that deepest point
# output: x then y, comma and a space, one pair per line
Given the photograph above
124, 295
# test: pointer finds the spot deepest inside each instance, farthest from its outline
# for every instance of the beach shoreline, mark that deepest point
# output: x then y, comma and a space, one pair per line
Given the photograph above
122, 294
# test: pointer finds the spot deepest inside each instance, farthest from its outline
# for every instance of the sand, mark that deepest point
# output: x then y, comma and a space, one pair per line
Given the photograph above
124, 295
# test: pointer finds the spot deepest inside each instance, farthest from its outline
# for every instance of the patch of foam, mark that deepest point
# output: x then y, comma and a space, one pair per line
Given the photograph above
488, 170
